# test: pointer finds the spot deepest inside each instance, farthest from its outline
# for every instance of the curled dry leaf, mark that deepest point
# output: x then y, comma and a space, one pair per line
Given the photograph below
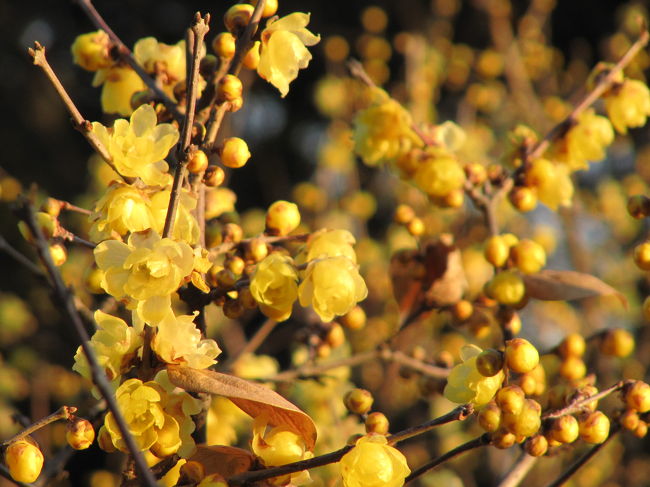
224, 460
553, 285
254, 399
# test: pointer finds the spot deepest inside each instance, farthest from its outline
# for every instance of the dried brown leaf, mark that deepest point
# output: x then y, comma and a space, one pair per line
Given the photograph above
554, 285
252, 398
224, 460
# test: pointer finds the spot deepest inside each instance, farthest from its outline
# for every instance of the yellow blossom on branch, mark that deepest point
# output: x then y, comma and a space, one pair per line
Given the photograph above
147, 269
465, 383
119, 84
283, 50
373, 463
138, 146
628, 105
274, 285
330, 243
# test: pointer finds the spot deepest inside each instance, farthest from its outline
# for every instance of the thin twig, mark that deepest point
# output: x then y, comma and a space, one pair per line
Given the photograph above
80, 123
64, 295
64, 412
20, 258
258, 338
198, 31
602, 85
518, 471
228, 246
582, 460
578, 406
458, 414
482, 440
126, 55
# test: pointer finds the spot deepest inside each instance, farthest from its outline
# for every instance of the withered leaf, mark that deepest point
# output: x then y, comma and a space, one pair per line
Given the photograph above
254, 399
554, 285
224, 460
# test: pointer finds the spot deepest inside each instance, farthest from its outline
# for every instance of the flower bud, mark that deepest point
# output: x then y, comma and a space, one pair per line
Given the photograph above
510, 399
489, 417
80, 433
91, 51
506, 287
270, 7
252, 58
192, 471
358, 401
489, 362
377, 423
642, 256
282, 218
223, 45
198, 162
594, 427
573, 368
528, 256
502, 439
536, 446
462, 310
564, 429
523, 198
229, 88
234, 152
233, 308
232, 232
521, 355
24, 460
404, 214
214, 176
629, 419
573, 345
335, 336
415, 227
617, 343
256, 249
641, 430
637, 396
496, 251
237, 17
527, 422
355, 319
59, 254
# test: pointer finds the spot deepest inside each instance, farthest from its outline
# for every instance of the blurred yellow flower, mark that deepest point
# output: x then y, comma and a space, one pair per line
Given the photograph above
552, 182
178, 341
147, 269
283, 50
119, 86
186, 227
586, 141
628, 105
332, 286
274, 286
465, 383
373, 463
139, 146
331, 243
91, 51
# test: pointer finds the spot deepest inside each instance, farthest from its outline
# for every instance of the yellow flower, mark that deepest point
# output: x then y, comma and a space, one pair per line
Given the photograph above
219, 201
332, 286
115, 344
465, 383
382, 132
629, 105
283, 50
139, 146
186, 227
552, 182
119, 86
373, 463
279, 446
274, 286
438, 174
331, 243
91, 51
122, 209
178, 341
147, 269
586, 141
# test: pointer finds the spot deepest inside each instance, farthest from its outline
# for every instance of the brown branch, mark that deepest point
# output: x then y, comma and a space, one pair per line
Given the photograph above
228, 246
126, 55
66, 299
602, 85
258, 338
64, 412
579, 405
80, 123
482, 440
20, 258
518, 471
197, 33
582, 460
458, 414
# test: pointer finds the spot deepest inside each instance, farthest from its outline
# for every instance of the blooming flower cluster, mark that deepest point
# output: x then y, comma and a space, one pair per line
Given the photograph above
373, 463
466, 384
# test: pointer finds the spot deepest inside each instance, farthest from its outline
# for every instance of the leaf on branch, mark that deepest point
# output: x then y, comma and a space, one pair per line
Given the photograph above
254, 399
224, 460
554, 285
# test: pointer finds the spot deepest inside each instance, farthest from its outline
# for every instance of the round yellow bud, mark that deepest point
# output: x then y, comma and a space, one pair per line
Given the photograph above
502, 439
528, 256
523, 198
629, 419
223, 45
573, 345
233, 308
641, 430
617, 343
489, 417
404, 214
521, 355
80, 433
642, 256
59, 254
594, 427
377, 423
415, 227
637, 396
355, 319
282, 218
507, 288
198, 162
511, 399
489, 362
564, 429
24, 460
496, 251
270, 7
335, 336
573, 368
358, 401
256, 249
252, 58
234, 152
91, 51
229, 88
237, 17
214, 176
462, 310
536, 446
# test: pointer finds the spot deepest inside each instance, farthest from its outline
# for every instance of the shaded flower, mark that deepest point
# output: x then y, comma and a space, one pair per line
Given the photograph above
373, 463
465, 383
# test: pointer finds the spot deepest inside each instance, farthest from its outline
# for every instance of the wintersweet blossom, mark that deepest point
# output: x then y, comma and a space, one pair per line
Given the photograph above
373, 463
178, 341
186, 227
119, 84
274, 285
331, 243
138, 146
283, 50
115, 344
147, 269
629, 105
466, 384
332, 286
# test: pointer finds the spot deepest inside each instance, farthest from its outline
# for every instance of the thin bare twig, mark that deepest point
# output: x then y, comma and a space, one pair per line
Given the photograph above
126, 55
458, 414
518, 471
20, 258
578, 406
66, 298
64, 412
258, 338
